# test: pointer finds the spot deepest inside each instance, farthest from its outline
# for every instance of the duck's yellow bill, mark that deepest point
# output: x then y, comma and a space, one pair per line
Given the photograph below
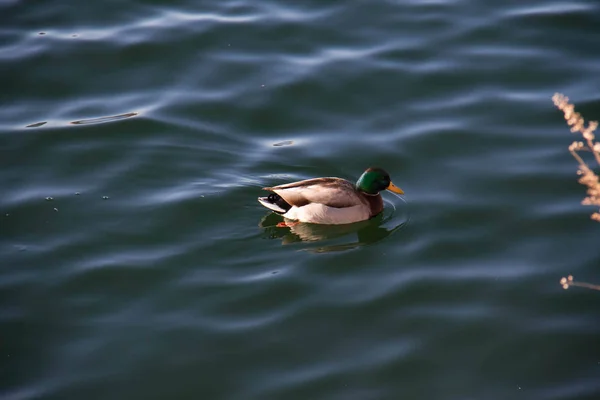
395, 189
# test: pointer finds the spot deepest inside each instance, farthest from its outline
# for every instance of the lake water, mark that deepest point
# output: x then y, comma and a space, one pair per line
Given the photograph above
136, 263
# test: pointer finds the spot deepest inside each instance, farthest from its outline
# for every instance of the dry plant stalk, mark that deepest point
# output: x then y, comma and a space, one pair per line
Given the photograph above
588, 177
568, 281
577, 124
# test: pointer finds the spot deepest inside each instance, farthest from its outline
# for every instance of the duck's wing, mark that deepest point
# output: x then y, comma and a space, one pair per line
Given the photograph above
332, 192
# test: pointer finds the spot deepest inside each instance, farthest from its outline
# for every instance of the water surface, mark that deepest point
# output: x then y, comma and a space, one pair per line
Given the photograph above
137, 264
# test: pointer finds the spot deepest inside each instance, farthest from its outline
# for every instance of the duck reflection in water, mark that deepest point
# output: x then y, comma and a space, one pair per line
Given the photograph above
363, 233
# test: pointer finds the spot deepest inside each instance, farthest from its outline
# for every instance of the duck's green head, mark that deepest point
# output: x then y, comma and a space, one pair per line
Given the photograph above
374, 180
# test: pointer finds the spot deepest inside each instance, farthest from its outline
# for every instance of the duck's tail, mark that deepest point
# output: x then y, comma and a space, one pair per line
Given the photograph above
275, 203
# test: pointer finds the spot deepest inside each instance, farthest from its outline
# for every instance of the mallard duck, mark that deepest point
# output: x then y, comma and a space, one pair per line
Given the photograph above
331, 200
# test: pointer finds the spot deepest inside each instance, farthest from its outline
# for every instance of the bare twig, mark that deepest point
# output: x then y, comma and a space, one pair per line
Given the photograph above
568, 282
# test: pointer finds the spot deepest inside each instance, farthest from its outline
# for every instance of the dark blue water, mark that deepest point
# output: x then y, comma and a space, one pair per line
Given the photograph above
135, 262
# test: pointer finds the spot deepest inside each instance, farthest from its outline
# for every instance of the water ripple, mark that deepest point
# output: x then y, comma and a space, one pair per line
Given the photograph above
134, 251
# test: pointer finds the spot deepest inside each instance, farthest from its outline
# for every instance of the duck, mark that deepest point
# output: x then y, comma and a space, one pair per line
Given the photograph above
330, 200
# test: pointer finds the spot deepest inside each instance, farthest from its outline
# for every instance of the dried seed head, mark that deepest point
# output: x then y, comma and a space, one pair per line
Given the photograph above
563, 281
587, 175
